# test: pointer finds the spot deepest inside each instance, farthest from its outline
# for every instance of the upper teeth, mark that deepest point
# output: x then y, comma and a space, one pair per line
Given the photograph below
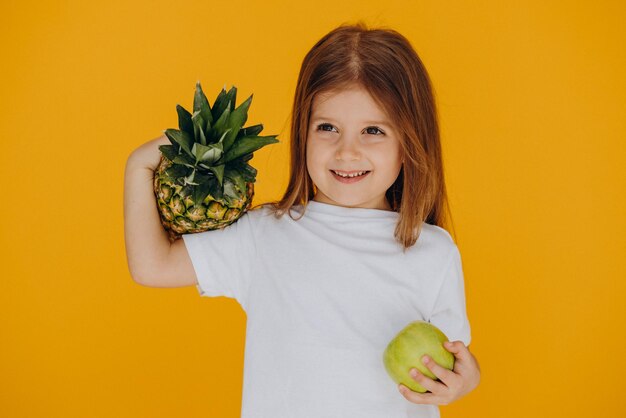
349, 175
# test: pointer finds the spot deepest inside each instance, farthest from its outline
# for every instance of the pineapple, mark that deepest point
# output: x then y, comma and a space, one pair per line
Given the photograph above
203, 180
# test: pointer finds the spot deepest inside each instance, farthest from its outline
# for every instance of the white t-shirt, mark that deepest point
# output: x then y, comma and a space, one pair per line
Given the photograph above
323, 296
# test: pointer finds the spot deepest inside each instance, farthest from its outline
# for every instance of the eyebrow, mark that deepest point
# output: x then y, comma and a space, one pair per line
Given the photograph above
374, 122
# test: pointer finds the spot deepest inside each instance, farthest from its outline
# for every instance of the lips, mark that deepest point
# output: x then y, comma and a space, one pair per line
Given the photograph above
350, 179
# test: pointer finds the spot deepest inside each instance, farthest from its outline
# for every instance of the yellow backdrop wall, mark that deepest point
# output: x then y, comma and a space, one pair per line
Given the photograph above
532, 101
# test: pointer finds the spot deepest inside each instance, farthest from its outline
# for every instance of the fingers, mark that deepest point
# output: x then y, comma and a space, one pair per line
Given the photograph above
427, 383
448, 377
421, 398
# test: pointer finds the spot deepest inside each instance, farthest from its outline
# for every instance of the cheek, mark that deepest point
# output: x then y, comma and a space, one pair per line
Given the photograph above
315, 157
312, 165
389, 157
310, 160
395, 157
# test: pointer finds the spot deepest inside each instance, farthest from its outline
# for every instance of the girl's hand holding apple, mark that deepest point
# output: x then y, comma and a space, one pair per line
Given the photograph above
452, 384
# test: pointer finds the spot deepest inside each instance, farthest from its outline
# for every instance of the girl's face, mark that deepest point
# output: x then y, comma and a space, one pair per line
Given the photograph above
349, 132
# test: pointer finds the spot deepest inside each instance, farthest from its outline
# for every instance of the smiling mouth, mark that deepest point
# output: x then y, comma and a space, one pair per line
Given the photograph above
348, 179
350, 174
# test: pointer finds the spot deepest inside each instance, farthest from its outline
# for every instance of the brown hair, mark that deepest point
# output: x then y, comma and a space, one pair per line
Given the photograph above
386, 65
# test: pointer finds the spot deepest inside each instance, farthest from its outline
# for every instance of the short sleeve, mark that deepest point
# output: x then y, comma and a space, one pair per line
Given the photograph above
223, 259
449, 312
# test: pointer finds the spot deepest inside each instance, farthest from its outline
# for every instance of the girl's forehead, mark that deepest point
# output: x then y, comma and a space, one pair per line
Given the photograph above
351, 103
342, 90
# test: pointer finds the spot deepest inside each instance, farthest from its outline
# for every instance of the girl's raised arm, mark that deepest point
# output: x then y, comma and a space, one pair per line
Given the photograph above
152, 260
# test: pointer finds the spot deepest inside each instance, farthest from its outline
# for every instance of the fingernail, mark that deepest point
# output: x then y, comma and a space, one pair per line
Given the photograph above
413, 372
425, 359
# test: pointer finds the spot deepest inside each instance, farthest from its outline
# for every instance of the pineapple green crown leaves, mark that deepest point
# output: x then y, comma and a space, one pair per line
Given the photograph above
211, 144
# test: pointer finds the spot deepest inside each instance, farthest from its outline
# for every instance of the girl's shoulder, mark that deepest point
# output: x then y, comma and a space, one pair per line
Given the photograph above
262, 214
437, 232
261, 210
436, 238
268, 209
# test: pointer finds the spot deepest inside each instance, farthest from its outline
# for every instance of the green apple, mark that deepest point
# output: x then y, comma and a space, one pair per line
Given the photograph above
406, 349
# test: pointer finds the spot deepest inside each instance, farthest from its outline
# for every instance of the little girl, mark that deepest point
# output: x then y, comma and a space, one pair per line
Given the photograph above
326, 291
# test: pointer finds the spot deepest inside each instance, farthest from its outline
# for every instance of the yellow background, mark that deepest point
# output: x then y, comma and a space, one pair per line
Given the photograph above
532, 101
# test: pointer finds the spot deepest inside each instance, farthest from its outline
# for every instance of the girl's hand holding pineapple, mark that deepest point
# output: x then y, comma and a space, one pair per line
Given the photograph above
148, 155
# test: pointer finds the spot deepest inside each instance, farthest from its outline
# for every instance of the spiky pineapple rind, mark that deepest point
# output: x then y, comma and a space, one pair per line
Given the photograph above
179, 214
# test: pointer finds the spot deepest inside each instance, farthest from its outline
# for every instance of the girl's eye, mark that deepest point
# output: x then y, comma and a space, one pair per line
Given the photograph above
373, 127
321, 126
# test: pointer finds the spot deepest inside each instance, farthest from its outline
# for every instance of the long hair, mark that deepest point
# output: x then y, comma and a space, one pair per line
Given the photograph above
385, 64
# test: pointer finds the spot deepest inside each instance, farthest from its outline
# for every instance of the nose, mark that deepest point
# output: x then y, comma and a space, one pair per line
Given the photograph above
348, 149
